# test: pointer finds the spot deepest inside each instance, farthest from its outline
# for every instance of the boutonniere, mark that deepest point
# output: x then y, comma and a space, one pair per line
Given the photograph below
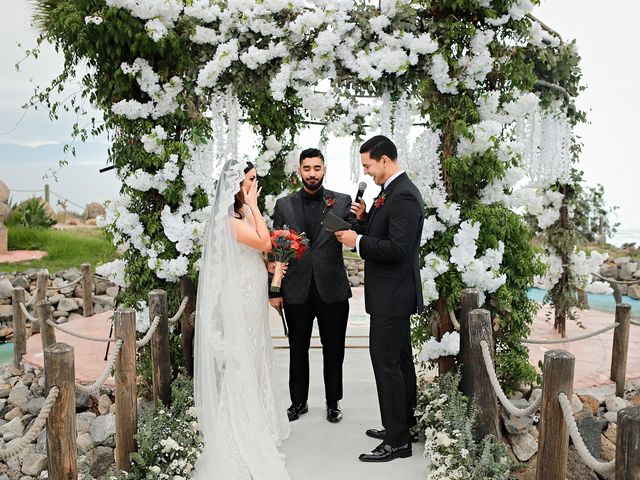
329, 202
380, 200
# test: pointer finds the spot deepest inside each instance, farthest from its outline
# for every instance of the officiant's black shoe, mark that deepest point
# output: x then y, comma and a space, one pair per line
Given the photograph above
334, 414
294, 411
386, 453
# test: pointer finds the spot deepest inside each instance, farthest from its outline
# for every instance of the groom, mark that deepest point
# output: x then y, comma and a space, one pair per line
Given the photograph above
390, 247
315, 286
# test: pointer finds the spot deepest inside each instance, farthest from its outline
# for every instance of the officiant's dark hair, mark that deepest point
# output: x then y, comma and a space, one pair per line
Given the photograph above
311, 153
238, 199
378, 146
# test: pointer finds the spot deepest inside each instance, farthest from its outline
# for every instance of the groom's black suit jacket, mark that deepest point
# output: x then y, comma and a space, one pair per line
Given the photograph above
323, 259
390, 247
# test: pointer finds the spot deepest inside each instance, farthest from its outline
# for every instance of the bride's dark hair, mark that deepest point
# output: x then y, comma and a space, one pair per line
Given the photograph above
238, 200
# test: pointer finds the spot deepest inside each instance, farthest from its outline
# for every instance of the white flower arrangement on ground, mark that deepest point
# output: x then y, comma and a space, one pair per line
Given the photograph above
433, 349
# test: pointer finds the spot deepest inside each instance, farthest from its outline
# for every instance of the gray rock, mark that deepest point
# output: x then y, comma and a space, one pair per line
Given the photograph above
103, 430
84, 421
35, 405
58, 282
15, 412
97, 308
41, 442
621, 260
4, 192
634, 291
6, 289
34, 463
58, 314
515, 425
627, 270
21, 281
83, 401
590, 429
614, 404
101, 288
67, 305
104, 404
609, 270
71, 274
74, 316
112, 291
105, 301
84, 443
100, 460
19, 396
354, 281
11, 430
611, 417
55, 299
576, 404
536, 393
524, 446
6, 313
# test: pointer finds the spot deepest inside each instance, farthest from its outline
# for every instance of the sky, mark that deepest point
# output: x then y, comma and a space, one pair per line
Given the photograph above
605, 38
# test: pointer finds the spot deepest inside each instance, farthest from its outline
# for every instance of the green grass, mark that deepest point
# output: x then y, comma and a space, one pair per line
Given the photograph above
65, 249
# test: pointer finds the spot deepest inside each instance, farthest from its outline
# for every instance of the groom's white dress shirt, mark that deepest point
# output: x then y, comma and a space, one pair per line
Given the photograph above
386, 184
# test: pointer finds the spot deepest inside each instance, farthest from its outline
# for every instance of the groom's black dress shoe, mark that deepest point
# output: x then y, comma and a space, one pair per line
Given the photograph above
380, 434
294, 411
334, 414
386, 453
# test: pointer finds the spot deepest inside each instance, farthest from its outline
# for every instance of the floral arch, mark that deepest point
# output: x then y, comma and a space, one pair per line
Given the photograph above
477, 94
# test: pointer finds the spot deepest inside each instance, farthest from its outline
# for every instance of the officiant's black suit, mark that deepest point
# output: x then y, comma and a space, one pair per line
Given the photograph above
316, 286
393, 292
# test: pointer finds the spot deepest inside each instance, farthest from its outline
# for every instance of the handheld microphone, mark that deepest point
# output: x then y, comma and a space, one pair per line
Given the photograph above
362, 186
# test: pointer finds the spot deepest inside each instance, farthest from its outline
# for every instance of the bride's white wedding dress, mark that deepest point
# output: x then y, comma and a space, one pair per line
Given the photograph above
240, 412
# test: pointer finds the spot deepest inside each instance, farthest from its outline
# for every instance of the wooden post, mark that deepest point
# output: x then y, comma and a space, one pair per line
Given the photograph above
468, 302
620, 347
554, 433
482, 393
61, 424
160, 357
19, 328
87, 294
41, 286
46, 193
126, 395
583, 299
47, 332
628, 444
188, 289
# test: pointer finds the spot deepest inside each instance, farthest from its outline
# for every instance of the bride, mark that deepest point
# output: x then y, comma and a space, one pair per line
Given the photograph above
239, 411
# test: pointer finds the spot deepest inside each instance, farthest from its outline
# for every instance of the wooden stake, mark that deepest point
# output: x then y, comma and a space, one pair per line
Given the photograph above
160, 356
47, 332
87, 294
628, 444
19, 327
468, 302
126, 393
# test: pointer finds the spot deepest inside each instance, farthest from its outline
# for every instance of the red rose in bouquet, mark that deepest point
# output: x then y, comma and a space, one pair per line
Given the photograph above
286, 245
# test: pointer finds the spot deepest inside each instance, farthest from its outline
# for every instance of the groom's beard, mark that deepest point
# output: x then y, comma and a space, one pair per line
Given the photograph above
313, 185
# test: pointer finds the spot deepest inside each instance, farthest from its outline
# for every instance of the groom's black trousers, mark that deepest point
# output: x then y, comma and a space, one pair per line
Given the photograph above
332, 323
392, 360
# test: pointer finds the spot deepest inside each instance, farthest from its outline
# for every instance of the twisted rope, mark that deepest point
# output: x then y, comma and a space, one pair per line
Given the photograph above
67, 285
617, 282
545, 341
95, 386
180, 311
26, 313
454, 320
79, 335
152, 329
32, 300
635, 322
20, 444
588, 459
509, 407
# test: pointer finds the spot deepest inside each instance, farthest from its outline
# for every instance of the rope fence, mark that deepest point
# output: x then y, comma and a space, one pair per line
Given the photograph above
79, 335
180, 311
20, 444
551, 341
588, 459
95, 387
26, 313
152, 329
67, 285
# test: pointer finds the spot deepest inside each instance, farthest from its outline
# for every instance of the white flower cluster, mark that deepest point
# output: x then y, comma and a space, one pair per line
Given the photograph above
518, 10
114, 271
581, 266
434, 349
272, 149
163, 97
483, 272
96, 20
161, 14
479, 63
434, 266
152, 142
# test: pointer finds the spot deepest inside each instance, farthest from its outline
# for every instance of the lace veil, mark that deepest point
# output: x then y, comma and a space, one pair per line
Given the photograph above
225, 387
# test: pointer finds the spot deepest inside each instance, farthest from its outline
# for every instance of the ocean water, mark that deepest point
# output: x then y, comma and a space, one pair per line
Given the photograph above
6, 353
601, 303
626, 235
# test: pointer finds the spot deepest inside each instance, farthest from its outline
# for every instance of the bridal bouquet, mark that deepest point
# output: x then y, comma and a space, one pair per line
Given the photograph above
287, 245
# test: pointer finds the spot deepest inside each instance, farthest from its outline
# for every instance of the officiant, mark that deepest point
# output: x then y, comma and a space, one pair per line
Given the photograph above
316, 286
